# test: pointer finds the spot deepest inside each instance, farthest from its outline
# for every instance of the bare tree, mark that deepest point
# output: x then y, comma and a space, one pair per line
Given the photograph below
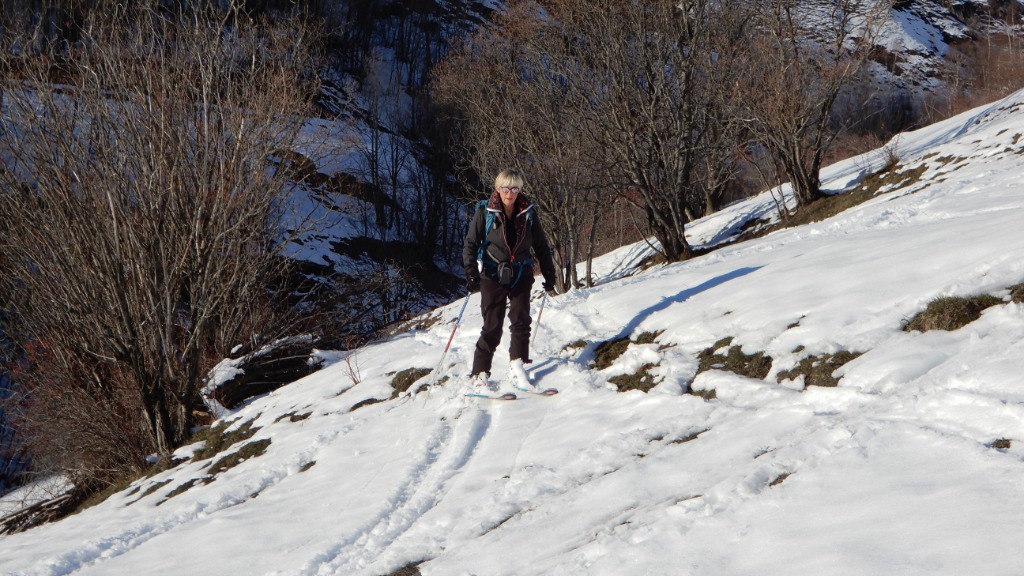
649, 78
508, 90
144, 219
592, 97
803, 55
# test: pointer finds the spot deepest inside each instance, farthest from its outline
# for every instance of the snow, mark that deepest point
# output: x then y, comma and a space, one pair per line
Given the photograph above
891, 472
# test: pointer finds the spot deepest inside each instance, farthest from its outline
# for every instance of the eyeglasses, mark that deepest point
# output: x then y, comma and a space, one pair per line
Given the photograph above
512, 189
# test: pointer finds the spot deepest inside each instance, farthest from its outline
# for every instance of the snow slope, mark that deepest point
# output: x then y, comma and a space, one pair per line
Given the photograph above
891, 472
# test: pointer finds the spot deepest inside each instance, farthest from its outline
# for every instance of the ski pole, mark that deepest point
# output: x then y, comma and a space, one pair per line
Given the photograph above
539, 313
458, 322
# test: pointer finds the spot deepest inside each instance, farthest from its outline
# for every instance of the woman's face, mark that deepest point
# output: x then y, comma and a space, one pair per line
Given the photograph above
508, 195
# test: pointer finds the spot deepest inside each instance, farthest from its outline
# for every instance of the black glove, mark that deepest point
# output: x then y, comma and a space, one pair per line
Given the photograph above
473, 282
549, 287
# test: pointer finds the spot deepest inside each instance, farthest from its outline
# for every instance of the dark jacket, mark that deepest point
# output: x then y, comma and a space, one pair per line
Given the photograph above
529, 235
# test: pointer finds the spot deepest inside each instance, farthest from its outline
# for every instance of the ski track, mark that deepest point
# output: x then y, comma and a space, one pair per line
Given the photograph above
445, 455
91, 553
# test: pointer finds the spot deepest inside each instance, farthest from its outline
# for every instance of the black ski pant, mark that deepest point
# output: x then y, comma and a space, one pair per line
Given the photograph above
494, 299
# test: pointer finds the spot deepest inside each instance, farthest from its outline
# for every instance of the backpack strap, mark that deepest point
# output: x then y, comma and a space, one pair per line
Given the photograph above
488, 224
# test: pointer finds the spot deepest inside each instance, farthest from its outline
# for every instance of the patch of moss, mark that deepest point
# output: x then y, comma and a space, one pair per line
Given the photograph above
163, 464
888, 177
608, 352
1001, 444
817, 370
721, 343
247, 451
574, 346
216, 439
1017, 293
404, 379
407, 570
156, 486
705, 394
648, 337
364, 403
641, 380
294, 416
689, 437
185, 487
755, 365
951, 312
951, 159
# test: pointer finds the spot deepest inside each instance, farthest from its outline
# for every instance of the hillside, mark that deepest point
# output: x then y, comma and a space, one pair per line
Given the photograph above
913, 464
367, 172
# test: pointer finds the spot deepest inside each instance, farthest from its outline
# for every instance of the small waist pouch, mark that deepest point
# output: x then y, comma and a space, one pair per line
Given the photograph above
505, 274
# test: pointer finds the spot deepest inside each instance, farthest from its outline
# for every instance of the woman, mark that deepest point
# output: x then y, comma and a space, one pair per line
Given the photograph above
503, 233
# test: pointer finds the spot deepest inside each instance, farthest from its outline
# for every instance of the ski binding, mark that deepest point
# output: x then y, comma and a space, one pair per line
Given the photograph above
505, 396
538, 392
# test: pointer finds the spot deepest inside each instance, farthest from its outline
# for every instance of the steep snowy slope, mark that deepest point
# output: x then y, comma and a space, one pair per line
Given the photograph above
913, 464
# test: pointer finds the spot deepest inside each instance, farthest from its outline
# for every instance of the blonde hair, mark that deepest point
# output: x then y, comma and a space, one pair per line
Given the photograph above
510, 178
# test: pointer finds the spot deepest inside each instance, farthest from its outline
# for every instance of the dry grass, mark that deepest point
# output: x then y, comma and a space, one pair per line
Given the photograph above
247, 451
1001, 444
216, 439
817, 370
755, 365
641, 380
951, 313
404, 379
407, 570
608, 352
1017, 293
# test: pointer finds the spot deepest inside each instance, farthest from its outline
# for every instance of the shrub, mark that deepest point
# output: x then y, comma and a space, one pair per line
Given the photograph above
164, 249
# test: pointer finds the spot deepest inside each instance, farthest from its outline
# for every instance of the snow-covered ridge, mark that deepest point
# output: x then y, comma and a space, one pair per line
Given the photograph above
894, 470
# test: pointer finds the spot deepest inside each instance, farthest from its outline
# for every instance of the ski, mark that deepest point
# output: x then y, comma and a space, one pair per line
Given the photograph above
536, 392
505, 396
